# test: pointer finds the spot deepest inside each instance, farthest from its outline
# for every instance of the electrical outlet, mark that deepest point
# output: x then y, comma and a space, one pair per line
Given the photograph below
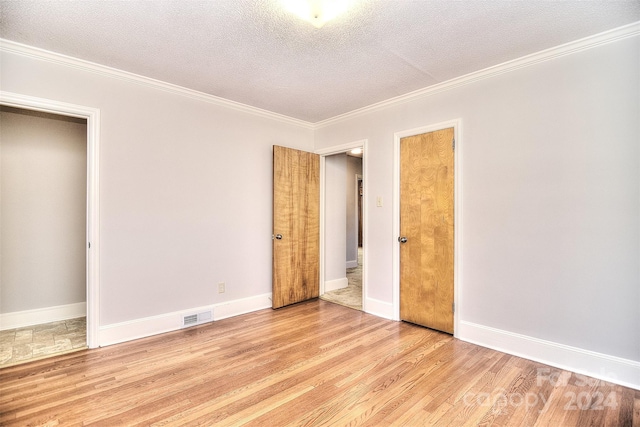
221, 288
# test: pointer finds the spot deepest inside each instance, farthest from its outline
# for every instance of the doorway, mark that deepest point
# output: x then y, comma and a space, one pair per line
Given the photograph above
296, 220
91, 241
343, 225
43, 175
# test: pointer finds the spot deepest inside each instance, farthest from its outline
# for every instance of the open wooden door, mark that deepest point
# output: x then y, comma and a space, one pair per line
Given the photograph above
426, 229
296, 226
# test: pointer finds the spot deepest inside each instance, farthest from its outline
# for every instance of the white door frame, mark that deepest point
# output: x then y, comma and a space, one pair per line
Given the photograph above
329, 151
92, 115
457, 206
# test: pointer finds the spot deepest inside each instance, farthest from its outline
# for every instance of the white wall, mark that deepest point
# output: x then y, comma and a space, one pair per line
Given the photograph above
551, 196
185, 190
43, 177
335, 217
354, 167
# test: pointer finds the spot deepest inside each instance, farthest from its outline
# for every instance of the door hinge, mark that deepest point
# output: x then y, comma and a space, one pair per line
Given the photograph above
89, 245
453, 307
453, 144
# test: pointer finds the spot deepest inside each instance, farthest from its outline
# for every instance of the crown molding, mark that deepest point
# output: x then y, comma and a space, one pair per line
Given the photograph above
590, 42
60, 59
596, 40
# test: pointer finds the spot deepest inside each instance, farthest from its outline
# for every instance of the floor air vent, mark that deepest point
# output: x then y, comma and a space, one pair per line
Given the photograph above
196, 318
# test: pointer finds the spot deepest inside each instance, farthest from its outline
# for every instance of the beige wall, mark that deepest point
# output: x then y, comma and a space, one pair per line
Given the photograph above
43, 210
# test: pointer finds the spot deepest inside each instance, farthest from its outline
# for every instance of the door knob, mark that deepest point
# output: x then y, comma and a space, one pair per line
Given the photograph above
402, 239
279, 236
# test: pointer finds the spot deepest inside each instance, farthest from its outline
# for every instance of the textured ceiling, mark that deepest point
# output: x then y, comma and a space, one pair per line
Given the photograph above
254, 52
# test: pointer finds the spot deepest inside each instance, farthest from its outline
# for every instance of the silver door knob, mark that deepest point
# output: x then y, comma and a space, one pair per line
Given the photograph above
279, 236
402, 239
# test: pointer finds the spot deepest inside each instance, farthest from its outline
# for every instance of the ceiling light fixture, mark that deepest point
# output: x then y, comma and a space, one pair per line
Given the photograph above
356, 151
317, 12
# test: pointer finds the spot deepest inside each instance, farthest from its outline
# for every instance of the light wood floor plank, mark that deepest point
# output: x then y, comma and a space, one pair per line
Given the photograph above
310, 364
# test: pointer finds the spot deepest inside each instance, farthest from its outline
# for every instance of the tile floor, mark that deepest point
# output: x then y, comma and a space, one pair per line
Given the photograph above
351, 296
35, 342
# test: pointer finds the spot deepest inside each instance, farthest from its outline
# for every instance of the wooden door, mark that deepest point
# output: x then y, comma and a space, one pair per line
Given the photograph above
296, 226
426, 221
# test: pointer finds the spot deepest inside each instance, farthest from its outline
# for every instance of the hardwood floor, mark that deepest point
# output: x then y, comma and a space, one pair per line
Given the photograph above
313, 363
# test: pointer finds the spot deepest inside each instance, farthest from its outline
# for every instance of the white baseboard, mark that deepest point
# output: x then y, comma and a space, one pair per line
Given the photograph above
19, 319
602, 366
148, 326
241, 306
352, 264
332, 285
378, 308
